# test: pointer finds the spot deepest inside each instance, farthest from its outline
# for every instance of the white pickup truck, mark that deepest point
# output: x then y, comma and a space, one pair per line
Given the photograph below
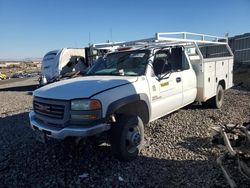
140, 82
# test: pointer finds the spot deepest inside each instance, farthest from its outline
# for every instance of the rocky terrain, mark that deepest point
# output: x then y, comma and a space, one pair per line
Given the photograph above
242, 75
178, 151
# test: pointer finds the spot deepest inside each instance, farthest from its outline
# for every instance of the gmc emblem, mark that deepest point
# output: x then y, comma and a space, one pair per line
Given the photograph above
43, 108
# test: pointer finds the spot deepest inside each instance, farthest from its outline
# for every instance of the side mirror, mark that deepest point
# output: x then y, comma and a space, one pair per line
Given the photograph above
164, 76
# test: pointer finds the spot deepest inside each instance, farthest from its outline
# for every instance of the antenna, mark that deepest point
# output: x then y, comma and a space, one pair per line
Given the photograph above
227, 35
89, 39
111, 35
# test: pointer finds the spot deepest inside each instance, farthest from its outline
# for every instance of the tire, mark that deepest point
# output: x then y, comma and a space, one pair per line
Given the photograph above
127, 136
217, 100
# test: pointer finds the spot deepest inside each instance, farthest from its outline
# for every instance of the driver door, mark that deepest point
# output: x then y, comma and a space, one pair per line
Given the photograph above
168, 83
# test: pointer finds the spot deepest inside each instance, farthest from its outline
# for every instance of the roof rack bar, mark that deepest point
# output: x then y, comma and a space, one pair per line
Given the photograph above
135, 42
189, 33
108, 44
141, 41
160, 38
187, 36
188, 40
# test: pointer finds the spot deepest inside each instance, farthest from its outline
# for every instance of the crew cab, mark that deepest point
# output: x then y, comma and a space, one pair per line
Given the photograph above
129, 88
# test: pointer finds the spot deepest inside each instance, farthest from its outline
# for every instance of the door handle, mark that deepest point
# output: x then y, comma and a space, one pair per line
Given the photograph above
178, 79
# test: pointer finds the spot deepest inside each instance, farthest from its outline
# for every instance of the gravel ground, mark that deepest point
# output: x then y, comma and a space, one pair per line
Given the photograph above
178, 150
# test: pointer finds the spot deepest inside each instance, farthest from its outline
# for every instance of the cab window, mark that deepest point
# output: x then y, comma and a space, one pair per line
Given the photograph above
170, 60
161, 62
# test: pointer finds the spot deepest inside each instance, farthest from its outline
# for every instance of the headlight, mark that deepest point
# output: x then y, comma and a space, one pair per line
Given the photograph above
85, 104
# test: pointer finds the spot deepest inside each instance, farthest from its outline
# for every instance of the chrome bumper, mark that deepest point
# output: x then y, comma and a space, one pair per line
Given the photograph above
62, 133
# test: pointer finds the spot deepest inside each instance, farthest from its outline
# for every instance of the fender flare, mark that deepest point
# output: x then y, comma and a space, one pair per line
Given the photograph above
114, 106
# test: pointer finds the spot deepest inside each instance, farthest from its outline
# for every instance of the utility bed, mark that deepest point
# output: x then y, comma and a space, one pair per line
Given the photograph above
211, 58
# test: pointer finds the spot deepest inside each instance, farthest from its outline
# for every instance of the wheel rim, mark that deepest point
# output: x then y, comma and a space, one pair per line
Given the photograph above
220, 97
133, 139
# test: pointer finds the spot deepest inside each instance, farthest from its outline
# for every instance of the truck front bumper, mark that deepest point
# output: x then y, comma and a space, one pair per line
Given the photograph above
62, 133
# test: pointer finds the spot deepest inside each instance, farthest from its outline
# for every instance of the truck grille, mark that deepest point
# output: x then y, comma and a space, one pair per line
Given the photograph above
50, 110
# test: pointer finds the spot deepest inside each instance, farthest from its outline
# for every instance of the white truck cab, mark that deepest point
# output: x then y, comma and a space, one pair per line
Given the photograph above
140, 82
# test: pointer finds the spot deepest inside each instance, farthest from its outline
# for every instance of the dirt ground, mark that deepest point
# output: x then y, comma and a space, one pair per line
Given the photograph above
242, 76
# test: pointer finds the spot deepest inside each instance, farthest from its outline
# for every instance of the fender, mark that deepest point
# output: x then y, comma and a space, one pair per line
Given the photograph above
114, 106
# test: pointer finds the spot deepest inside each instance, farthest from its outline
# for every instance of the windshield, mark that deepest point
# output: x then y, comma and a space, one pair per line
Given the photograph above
129, 63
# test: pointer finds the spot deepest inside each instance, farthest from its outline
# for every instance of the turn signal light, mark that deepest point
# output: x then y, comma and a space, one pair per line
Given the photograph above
94, 104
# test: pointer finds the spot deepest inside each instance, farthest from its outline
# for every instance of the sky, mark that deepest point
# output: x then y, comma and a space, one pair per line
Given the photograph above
31, 28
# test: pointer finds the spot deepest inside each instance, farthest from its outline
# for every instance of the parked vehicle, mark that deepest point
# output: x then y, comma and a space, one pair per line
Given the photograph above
139, 83
69, 61
23, 75
58, 62
3, 76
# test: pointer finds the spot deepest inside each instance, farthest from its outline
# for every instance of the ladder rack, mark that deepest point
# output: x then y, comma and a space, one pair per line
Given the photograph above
169, 38
106, 45
190, 37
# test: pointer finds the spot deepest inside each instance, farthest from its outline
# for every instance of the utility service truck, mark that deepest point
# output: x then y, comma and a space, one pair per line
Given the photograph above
140, 82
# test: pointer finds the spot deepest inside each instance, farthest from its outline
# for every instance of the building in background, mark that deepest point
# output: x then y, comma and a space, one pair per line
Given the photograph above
240, 45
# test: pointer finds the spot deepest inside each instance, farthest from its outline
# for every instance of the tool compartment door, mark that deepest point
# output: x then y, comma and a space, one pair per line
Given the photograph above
209, 80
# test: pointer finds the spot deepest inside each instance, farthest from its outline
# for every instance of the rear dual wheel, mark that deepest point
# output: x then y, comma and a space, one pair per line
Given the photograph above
217, 100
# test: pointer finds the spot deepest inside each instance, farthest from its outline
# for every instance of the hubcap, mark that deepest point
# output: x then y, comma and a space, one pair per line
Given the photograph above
133, 139
136, 139
219, 95
219, 98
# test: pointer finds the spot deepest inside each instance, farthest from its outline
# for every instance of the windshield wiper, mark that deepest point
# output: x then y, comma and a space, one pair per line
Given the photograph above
104, 74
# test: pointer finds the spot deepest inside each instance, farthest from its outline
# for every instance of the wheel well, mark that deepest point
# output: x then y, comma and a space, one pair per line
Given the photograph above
223, 84
138, 108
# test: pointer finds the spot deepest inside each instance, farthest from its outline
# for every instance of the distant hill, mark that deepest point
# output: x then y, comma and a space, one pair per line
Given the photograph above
25, 59
33, 59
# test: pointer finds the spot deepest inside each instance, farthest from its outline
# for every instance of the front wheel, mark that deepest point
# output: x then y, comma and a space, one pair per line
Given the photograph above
127, 136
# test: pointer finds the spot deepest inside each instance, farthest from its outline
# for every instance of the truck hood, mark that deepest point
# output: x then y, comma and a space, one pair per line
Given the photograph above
81, 87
